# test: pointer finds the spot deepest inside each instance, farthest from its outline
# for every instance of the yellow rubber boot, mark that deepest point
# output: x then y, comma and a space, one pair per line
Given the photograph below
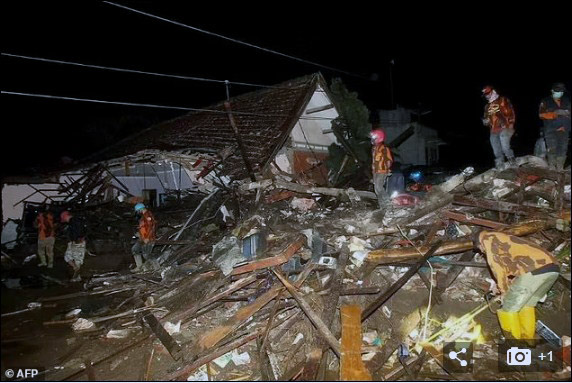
510, 323
527, 318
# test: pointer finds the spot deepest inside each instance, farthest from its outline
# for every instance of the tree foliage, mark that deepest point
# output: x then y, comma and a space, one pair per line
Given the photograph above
353, 124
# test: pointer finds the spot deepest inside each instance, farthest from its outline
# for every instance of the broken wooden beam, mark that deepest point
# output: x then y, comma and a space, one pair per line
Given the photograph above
323, 330
334, 192
276, 260
472, 220
241, 147
450, 247
379, 301
501, 206
351, 364
167, 340
212, 337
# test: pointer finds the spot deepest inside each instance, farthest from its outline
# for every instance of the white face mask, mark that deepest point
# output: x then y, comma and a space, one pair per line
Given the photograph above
557, 95
492, 96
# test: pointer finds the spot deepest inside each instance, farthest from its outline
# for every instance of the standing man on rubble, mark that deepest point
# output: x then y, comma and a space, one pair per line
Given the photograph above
499, 117
554, 111
46, 237
382, 159
76, 233
145, 236
524, 272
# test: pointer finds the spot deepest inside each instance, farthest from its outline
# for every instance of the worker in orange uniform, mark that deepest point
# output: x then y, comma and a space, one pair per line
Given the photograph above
524, 272
499, 117
554, 111
382, 159
46, 237
145, 236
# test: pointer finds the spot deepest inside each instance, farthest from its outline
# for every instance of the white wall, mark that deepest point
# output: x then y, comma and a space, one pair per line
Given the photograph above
313, 127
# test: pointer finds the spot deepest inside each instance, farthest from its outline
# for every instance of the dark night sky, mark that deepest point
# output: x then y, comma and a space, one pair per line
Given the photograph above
442, 56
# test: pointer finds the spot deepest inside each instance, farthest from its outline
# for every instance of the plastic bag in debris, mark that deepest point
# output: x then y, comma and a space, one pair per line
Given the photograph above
240, 359
404, 200
82, 324
302, 204
227, 253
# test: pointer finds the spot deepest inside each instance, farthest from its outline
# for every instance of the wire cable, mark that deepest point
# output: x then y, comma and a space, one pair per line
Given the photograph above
139, 71
239, 41
153, 105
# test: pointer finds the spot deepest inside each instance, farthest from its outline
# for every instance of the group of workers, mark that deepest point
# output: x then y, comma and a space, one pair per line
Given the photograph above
524, 271
554, 111
76, 234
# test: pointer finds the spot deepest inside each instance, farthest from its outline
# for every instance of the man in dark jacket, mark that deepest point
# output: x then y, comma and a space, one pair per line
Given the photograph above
76, 233
554, 111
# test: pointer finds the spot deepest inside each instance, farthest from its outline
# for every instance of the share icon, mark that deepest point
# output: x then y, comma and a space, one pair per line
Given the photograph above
453, 355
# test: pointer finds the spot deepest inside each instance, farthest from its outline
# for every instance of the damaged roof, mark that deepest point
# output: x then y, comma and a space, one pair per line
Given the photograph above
264, 119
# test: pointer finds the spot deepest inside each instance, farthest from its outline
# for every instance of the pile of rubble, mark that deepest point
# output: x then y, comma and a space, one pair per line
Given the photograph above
297, 282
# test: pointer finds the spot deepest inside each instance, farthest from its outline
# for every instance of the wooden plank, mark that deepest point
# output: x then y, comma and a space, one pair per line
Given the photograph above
379, 301
272, 261
471, 220
502, 206
167, 340
323, 330
312, 364
351, 364
212, 337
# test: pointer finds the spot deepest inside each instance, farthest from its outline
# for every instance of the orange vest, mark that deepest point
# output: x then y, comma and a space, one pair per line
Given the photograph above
147, 226
382, 159
45, 223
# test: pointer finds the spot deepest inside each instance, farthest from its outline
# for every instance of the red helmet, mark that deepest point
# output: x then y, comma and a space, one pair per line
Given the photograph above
65, 216
378, 135
487, 90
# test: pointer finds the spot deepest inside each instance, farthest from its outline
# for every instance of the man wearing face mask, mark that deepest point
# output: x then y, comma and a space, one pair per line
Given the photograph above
499, 117
554, 111
382, 159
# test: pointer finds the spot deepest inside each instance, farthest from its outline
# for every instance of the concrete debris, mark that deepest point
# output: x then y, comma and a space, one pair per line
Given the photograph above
82, 324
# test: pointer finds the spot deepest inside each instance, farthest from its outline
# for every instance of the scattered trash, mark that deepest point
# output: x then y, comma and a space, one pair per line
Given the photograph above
302, 204
29, 258
172, 328
118, 334
240, 359
329, 262
82, 324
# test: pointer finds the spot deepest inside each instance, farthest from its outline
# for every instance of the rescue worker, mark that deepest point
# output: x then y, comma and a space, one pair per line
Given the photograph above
499, 117
554, 111
382, 159
46, 237
145, 236
524, 273
75, 252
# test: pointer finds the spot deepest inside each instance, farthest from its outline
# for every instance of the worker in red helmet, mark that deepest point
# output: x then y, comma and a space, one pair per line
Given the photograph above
499, 117
382, 159
76, 233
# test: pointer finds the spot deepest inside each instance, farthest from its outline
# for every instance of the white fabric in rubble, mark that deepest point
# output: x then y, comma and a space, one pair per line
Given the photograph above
227, 253
82, 324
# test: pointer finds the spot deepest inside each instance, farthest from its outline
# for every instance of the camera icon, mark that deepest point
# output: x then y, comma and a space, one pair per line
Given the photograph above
518, 356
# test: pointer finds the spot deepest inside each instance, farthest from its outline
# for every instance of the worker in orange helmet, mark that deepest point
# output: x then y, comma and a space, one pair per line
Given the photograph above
382, 159
500, 118
145, 237
554, 111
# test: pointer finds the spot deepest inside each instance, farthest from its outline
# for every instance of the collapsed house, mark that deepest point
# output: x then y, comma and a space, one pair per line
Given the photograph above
269, 275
